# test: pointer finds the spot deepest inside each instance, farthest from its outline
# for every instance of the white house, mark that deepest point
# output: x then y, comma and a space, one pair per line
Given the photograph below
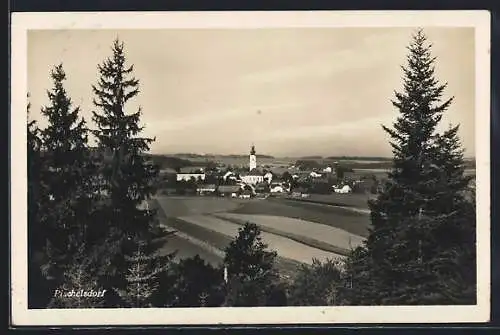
344, 189
277, 189
328, 169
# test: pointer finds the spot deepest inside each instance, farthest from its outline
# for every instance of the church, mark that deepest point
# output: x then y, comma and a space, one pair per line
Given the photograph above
254, 175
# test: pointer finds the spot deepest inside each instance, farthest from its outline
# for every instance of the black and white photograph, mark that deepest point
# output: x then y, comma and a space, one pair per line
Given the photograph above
226, 168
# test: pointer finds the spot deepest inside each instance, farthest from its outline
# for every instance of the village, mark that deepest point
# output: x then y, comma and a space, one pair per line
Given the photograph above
261, 181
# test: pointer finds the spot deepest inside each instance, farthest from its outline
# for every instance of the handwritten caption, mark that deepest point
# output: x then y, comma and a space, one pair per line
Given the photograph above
79, 293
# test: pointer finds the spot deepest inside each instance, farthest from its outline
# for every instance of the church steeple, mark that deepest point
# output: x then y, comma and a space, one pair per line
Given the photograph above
253, 159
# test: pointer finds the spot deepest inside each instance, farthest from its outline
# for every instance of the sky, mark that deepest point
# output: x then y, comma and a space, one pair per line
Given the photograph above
291, 92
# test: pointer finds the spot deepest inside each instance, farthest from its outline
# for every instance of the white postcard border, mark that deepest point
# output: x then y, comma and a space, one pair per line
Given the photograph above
22, 22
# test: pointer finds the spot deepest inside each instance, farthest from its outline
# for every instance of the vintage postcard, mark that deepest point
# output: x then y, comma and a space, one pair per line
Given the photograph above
196, 168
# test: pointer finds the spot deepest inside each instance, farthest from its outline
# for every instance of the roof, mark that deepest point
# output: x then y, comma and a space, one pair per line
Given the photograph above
229, 188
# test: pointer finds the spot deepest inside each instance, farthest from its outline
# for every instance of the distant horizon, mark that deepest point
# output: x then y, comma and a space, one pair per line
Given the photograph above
281, 156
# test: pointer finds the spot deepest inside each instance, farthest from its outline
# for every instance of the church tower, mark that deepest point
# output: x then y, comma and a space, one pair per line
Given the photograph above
253, 159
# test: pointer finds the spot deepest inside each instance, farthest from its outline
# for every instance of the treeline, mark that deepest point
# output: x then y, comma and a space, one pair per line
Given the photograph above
90, 228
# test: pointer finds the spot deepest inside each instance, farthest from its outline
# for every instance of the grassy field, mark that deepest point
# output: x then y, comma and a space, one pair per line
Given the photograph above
219, 241
300, 238
337, 199
182, 206
285, 247
350, 221
326, 237
175, 243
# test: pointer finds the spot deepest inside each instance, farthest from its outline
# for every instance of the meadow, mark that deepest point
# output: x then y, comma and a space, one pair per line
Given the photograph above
343, 218
286, 248
353, 200
315, 235
191, 239
298, 231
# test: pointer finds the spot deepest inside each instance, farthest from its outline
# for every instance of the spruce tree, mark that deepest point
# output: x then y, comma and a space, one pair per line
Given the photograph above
415, 229
144, 268
65, 175
80, 279
127, 176
453, 260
